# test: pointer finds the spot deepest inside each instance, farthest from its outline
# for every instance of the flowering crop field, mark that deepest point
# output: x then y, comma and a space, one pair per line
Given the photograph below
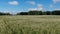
43, 24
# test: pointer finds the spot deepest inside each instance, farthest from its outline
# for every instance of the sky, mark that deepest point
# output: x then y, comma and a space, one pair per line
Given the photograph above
15, 6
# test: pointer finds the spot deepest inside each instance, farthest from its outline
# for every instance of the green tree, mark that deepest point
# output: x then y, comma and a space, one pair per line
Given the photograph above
35, 12
56, 12
22, 13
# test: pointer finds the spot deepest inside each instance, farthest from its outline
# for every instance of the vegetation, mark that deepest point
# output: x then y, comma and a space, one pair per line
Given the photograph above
30, 24
35, 13
22, 13
56, 12
1, 13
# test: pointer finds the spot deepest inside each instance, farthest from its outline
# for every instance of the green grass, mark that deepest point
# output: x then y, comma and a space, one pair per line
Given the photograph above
43, 24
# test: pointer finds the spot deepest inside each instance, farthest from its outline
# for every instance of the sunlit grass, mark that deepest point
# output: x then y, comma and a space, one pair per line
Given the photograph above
30, 24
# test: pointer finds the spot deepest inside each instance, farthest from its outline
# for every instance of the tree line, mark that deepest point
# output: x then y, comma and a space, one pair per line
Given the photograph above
1, 13
55, 12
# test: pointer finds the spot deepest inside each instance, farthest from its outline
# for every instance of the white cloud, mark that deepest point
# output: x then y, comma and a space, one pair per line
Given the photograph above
38, 8
39, 5
55, 1
13, 3
5, 11
56, 9
31, 2
32, 9
51, 6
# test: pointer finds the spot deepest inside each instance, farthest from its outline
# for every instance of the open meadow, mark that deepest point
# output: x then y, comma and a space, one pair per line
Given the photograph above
39, 24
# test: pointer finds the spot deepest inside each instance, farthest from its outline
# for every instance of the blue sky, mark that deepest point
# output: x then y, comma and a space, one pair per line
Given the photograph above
15, 6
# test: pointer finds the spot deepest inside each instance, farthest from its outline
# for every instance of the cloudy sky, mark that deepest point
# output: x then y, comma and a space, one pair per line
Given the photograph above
14, 6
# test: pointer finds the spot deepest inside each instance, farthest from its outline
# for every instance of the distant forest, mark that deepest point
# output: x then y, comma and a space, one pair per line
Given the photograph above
55, 12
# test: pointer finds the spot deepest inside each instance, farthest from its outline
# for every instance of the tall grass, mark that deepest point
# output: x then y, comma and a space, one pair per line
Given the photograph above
30, 24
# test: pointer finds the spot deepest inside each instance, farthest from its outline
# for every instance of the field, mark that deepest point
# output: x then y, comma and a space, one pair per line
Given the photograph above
43, 24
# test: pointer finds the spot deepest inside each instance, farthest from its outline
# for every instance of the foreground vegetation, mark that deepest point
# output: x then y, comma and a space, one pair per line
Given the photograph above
30, 24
